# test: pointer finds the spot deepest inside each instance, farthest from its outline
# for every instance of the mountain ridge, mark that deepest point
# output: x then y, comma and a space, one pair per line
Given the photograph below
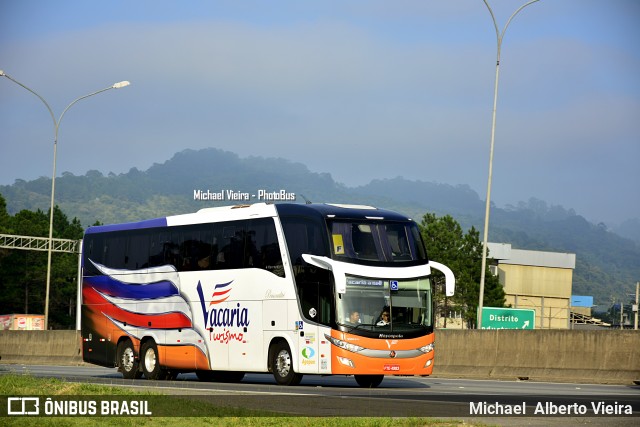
168, 189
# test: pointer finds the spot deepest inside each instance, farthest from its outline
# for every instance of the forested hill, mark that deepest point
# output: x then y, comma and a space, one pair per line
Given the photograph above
607, 265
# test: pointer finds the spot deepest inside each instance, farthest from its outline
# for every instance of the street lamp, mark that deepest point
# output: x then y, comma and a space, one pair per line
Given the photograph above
499, 37
56, 126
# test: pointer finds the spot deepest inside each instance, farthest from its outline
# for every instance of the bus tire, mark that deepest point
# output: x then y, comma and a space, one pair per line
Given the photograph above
369, 381
127, 362
151, 362
282, 365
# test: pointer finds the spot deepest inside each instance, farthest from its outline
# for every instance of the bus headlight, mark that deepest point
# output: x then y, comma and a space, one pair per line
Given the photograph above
344, 345
427, 348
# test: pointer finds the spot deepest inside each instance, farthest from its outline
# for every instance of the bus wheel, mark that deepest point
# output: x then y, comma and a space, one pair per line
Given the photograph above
150, 362
369, 381
282, 365
127, 363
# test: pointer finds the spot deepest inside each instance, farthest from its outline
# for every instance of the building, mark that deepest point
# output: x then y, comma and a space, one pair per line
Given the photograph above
541, 281
581, 315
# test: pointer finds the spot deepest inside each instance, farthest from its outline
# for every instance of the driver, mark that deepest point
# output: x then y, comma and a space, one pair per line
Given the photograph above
384, 318
354, 317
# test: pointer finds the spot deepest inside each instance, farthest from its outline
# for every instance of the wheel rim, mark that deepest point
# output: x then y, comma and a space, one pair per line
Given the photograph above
150, 360
127, 359
283, 363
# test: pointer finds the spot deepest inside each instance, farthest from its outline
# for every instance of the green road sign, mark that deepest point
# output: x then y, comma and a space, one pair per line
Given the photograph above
507, 318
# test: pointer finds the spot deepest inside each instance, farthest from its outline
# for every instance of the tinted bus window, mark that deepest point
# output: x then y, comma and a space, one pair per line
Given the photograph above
217, 246
92, 249
137, 252
313, 285
196, 247
159, 247
230, 236
261, 247
115, 247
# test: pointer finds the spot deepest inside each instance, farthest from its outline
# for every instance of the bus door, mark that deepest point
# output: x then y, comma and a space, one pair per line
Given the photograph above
315, 303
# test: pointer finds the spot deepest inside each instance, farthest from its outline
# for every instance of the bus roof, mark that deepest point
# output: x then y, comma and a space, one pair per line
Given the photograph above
257, 210
340, 211
150, 223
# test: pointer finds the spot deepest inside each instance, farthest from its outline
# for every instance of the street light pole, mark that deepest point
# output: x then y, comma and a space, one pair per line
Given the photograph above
56, 126
499, 37
635, 322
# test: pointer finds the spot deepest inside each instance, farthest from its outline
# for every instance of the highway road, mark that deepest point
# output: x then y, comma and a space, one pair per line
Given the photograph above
486, 401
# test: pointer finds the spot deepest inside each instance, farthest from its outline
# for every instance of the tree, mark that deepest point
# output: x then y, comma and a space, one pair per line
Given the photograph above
23, 272
462, 252
4, 216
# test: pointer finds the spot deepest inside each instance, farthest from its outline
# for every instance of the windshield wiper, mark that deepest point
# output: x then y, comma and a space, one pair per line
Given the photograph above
409, 325
352, 327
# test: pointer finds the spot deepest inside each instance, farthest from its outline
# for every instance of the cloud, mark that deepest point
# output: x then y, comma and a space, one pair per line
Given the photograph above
365, 91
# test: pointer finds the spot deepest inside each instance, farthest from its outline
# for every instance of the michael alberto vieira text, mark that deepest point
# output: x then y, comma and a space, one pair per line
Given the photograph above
240, 196
549, 408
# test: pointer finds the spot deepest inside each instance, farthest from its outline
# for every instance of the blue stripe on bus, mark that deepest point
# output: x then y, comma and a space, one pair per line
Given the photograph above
151, 223
115, 288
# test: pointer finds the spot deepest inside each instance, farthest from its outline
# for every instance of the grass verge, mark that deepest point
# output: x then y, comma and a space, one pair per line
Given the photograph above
26, 385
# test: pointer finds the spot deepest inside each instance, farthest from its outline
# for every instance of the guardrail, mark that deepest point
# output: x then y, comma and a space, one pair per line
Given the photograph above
608, 357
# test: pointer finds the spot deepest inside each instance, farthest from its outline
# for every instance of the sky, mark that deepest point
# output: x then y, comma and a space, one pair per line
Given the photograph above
360, 89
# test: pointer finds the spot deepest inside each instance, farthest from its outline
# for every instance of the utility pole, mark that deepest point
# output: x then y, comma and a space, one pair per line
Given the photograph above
635, 307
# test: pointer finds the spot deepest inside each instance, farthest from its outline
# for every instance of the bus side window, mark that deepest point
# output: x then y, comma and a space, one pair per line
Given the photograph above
115, 250
232, 253
261, 247
188, 248
137, 255
93, 250
195, 247
205, 256
159, 248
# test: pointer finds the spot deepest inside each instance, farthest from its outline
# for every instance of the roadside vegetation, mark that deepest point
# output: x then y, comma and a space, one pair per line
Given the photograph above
12, 385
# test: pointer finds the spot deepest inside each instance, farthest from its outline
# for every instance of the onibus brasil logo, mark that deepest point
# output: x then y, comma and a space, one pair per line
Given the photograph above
231, 320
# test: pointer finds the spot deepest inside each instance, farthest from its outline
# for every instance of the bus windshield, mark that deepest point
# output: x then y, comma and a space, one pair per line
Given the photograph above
376, 243
386, 306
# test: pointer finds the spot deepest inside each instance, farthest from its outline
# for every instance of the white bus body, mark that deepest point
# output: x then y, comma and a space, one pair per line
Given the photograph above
259, 288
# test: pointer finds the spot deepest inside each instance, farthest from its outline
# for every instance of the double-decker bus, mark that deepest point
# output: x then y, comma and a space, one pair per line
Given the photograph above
290, 289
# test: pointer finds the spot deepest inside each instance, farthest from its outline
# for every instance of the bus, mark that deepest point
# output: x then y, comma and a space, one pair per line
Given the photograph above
290, 289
